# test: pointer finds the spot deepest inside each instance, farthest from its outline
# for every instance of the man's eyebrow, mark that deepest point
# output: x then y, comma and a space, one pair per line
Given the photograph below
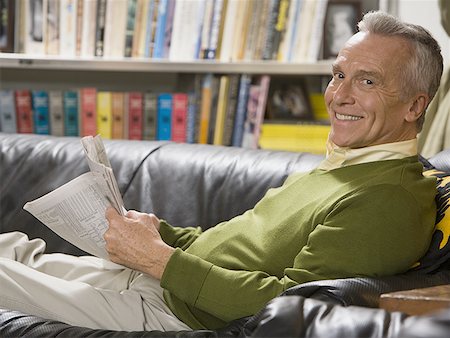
372, 74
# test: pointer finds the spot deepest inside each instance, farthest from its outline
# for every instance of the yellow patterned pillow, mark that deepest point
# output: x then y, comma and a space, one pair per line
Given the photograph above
439, 250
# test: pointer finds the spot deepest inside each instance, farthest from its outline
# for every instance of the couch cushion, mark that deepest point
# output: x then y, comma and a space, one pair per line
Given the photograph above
439, 250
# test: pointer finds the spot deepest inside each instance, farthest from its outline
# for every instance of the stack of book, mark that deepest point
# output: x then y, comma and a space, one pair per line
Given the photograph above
225, 30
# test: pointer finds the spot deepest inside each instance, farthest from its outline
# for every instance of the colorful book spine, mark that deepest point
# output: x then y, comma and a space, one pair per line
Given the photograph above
205, 108
222, 104
118, 115
231, 110
241, 110
255, 112
41, 112
24, 111
100, 27
70, 101
104, 114
55, 98
150, 113
164, 115
179, 116
158, 50
131, 20
213, 39
8, 123
88, 111
135, 112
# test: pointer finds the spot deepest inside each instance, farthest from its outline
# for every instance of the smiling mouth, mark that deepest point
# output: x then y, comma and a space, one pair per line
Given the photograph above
343, 117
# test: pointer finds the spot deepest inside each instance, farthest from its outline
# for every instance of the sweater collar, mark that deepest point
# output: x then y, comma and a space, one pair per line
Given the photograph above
342, 156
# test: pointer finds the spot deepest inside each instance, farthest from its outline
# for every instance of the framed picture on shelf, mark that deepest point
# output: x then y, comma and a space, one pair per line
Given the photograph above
341, 22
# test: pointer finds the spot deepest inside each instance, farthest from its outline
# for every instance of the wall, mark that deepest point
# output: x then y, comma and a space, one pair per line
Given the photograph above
426, 13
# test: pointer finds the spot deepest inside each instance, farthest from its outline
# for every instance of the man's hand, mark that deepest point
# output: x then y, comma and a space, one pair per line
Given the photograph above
134, 241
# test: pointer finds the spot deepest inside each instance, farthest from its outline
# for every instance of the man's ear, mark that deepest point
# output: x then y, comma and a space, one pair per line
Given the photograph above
417, 107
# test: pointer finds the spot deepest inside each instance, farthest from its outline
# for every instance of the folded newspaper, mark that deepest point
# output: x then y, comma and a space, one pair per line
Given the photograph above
76, 210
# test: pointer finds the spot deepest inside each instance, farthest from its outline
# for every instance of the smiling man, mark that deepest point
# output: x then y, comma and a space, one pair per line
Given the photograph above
366, 210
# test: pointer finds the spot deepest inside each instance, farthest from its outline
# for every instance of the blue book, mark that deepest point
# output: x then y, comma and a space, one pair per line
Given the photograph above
158, 50
192, 112
8, 123
41, 116
70, 103
241, 110
164, 115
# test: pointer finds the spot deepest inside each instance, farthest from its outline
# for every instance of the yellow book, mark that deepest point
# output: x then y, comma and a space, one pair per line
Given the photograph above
118, 115
104, 114
205, 108
222, 105
310, 138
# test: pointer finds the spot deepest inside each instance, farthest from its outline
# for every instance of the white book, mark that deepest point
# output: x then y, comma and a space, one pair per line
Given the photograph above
35, 26
228, 37
186, 32
288, 41
88, 28
56, 110
304, 30
115, 26
76, 210
68, 28
316, 36
8, 121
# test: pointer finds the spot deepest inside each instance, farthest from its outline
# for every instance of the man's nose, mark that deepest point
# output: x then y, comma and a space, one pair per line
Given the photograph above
344, 93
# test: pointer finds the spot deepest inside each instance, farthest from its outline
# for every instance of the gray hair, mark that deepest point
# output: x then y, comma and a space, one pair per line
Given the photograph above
423, 70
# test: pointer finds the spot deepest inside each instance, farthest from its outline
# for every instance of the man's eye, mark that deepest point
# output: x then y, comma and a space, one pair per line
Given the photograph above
368, 82
338, 75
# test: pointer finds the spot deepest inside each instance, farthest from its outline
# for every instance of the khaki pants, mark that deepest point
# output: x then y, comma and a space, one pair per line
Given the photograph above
82, 291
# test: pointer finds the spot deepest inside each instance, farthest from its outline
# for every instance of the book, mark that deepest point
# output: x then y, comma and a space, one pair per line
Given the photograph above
135, 113
76, 210
241, 110
149, 118
300, 137
118, 115
70, 103
88, 111
164, 117
56, 110
313, 51
193, 113
79, 27
115, 28
100, 28
24, 111
280, 27
205, 108
228, 36
104, 114
152, 19
230, 113
256, 107
186, 33
52, 28
241, 26
34, 27
41, 112
158, 50
89, 21
7, 23
270, 27
129, 31
8, 123
304, 31
222, 104
168, 28
179, 117
206, 28
68, 28
138, 17
288, 40
253, 30
214, 31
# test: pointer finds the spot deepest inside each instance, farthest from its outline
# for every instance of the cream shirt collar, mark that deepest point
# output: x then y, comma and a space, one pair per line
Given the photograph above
341, 156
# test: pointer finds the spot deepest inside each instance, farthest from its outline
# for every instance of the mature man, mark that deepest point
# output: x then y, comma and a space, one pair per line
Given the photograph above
365, 211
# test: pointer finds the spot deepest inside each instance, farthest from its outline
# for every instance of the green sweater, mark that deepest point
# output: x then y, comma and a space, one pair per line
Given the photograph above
369, 219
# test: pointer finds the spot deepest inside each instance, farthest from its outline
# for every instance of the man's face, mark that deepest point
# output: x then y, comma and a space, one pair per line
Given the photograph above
363, 97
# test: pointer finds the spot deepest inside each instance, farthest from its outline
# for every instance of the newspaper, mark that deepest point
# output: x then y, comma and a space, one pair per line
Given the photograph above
76, 210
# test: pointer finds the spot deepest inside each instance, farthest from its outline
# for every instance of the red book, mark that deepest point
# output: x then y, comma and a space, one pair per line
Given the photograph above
135, 111
179, 115
24, 111
88, 111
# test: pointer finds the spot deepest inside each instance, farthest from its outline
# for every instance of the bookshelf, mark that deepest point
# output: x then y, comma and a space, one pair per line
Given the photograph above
258, 38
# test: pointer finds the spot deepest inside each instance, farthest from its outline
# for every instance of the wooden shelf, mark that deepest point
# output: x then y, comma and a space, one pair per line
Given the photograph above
24, 61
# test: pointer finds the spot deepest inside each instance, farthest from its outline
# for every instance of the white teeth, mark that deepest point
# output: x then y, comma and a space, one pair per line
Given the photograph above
348, 117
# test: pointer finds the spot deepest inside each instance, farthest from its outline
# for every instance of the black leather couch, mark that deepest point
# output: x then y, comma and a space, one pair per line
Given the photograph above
203, 185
